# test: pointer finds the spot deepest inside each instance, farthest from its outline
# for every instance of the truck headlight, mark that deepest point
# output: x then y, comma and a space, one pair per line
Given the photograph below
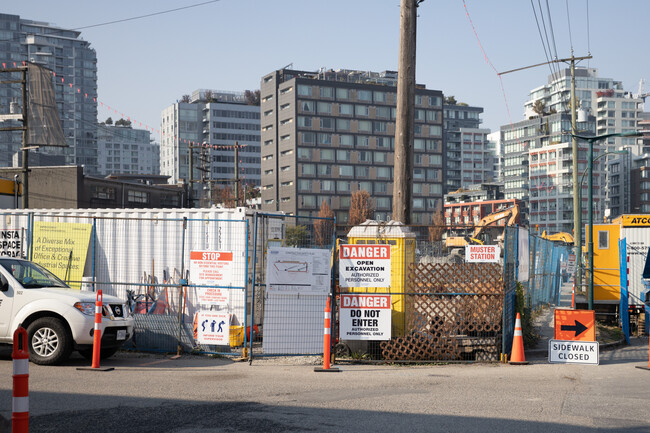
87, 308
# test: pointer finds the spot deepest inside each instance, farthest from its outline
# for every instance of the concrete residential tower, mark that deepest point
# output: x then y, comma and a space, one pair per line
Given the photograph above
329, 133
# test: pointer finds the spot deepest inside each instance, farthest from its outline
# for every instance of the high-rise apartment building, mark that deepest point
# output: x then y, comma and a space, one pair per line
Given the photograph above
210, 124
75, 64
126, 150
469, 155
329, 133
538, 169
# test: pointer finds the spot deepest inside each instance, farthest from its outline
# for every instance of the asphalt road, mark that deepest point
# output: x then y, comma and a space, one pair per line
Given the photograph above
152, 393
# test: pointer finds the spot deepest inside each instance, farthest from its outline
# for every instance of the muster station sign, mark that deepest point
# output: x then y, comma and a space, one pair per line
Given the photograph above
365, 317
364, 265
482, 253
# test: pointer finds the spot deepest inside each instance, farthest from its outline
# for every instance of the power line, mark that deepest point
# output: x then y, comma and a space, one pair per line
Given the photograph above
146, 16
568, 17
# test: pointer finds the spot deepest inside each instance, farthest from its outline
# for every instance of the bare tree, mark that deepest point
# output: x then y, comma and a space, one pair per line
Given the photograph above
324, 228
437, 227
185, 99
361, 207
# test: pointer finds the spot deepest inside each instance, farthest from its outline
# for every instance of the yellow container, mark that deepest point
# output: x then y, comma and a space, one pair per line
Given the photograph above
402, 253
236, 336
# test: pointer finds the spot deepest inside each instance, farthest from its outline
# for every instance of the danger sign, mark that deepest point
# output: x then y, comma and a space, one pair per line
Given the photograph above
212, 268
365, 317
364, 266
482, 253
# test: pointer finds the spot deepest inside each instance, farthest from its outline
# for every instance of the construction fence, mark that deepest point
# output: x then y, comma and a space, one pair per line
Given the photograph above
238, 282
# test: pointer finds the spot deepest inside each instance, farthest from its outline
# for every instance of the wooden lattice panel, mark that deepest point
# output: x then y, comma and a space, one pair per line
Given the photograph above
448, 307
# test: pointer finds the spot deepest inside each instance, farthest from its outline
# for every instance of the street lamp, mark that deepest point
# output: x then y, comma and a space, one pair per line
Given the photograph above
590, 170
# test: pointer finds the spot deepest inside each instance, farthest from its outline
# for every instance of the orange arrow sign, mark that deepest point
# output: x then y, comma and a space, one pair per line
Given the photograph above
575, 325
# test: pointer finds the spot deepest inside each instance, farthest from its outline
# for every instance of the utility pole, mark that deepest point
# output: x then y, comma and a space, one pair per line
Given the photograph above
577, 200
237, 174
404, 121
191, 174
25, 148
577, 187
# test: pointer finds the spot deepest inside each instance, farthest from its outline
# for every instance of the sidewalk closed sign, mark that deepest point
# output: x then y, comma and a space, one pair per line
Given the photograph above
364, 265
573, 352
482, 253
365, 317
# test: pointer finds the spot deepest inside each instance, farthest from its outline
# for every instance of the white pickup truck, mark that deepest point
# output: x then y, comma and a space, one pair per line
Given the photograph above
58, 319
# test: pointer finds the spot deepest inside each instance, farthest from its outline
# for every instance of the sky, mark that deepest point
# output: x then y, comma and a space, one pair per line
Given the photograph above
145, 65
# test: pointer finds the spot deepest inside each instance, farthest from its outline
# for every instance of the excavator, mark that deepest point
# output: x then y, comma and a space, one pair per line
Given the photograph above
512, 213
564, 237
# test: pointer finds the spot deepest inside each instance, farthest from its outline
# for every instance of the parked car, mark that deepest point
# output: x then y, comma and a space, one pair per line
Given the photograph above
58, 319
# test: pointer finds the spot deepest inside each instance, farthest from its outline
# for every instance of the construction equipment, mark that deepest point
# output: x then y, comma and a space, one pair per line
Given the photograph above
564, 237
478, 236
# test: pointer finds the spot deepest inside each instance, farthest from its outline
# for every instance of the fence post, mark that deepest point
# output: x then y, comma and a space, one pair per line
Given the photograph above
181, 288
245, 349
250, 355
94, 250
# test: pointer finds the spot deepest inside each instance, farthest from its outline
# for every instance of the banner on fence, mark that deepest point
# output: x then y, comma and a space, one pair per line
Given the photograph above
305, 271
482, 253
61, 248
213, 328
11, 243
365, 317
364, 266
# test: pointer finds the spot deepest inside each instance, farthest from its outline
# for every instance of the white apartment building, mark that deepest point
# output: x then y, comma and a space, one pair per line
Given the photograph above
210, 124
125, 150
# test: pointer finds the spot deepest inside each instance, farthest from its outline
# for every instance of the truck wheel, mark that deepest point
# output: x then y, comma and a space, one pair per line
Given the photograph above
103, 354
49, 341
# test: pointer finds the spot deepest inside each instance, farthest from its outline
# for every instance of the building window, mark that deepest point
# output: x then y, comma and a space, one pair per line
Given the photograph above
327, 185
365, 126
362, 172
326, 123
342, 124
364, 95
324, 138
342, 155
137, 197
380, 96
346, 140
603, 240
324, 108
361, 110
308, 169
104, 192
346, 170
304, 90
307, 106
327, 154
342, 93
326, 92
343, 186
324, 170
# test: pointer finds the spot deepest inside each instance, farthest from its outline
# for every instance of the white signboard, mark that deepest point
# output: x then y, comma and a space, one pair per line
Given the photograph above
213, 328
482, 253
571, 264
11, 243
298, 270
365, 317
212, 267
364, 265
573, 352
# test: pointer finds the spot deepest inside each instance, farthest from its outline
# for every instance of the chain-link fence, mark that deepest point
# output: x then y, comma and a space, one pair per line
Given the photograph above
446, 304
177, 272
292, 279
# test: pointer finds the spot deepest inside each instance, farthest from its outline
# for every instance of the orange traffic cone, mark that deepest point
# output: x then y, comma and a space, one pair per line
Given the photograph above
517, 355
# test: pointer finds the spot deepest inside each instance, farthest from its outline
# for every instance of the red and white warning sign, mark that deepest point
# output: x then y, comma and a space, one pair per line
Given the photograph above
365, 317
482, 253
364, 266
212, 268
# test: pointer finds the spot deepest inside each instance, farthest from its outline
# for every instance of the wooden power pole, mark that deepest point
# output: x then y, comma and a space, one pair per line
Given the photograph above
402, 186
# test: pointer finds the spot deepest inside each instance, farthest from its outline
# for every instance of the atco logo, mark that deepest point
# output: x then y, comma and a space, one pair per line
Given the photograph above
640, 221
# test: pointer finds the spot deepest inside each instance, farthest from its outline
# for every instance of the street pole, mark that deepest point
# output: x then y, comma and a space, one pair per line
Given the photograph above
402, 188
236, 174
590, 166
577, 193
25, 164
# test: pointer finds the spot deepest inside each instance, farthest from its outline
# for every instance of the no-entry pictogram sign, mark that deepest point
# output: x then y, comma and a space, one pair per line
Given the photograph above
575, 325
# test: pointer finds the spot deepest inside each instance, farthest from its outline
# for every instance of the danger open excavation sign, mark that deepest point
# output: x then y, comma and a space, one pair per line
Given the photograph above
364, 266
365, 317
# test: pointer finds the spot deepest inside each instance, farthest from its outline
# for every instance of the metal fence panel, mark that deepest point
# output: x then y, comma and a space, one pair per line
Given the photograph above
296, 254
